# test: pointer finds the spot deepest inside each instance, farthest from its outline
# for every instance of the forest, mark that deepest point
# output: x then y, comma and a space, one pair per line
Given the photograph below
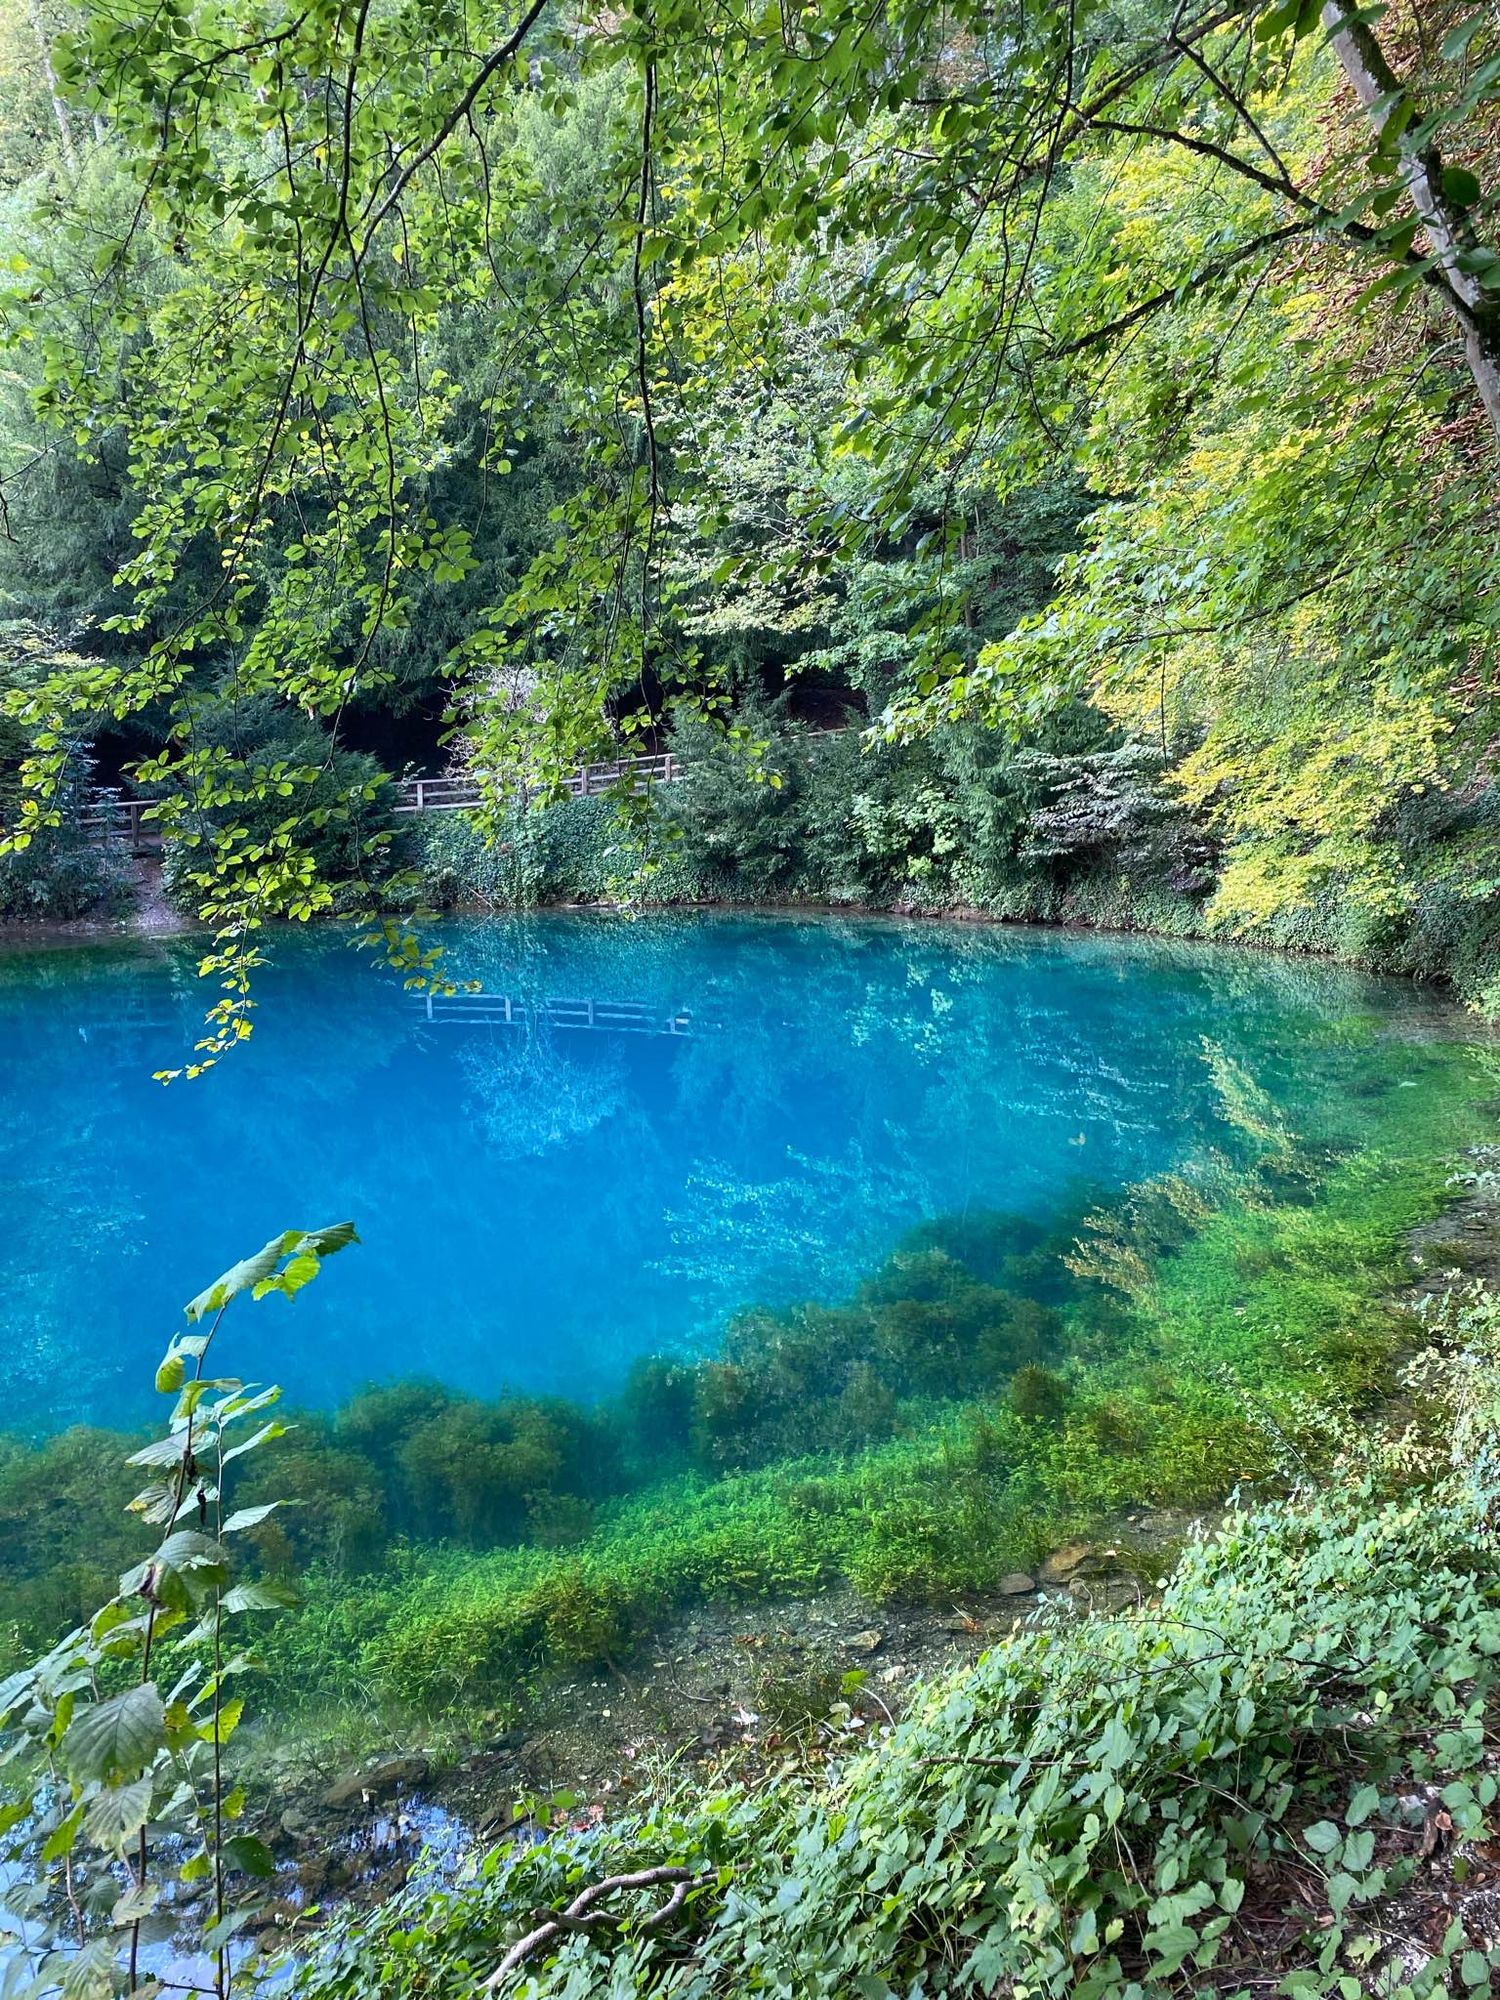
800, 525
1098, 437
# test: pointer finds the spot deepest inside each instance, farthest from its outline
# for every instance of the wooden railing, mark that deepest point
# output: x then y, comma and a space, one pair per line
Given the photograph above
109, 815
459, 794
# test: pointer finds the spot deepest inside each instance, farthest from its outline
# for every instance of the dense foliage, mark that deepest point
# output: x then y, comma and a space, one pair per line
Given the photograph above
1119, 378
1233, 1785
64, 872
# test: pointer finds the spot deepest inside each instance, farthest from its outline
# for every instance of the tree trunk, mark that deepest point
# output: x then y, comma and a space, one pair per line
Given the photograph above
1381, 92
59, 108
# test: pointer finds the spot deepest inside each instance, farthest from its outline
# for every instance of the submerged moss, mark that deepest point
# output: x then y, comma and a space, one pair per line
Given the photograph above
996, 1386
1219, 1365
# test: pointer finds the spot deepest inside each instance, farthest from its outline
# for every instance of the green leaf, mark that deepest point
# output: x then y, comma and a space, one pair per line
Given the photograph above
1323, 1836
116, 1739
261, 1273
117, 1815
241, 1277
258, 1595
1457, 40
249, 1855
189, 1551
161, 1451
15, 1689
1363, 1803
60, 1841
1276, 20
225, 1723
250, 1517
156, 1503
244, 1405
135, 1904
1461, 186
90, 1974
1342, 1889
263, 1436
217, 1935
187, 1567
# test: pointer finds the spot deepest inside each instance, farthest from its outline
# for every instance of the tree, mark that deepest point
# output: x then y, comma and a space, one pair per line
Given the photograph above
333, 184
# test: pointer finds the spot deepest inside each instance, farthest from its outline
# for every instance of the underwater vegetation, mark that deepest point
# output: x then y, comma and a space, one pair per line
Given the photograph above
1224, 1782
994, 1386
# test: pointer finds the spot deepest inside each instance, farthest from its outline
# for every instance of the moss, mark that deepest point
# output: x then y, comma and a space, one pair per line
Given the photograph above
993, 1389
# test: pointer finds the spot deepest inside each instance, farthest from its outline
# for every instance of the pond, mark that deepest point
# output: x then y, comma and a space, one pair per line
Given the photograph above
625, 1133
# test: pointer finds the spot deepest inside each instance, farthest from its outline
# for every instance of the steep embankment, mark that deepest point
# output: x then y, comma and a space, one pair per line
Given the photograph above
1280, 1776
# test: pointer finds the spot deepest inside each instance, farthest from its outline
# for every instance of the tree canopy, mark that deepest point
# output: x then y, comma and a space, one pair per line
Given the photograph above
552, 362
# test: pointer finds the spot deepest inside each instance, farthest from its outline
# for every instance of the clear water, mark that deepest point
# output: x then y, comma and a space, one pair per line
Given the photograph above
755, 1110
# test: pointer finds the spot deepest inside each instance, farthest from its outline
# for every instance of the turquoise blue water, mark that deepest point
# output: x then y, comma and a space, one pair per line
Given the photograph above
638, 1128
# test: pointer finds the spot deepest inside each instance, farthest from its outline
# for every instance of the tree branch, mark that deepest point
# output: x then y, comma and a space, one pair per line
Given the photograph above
580, 1914
492, 63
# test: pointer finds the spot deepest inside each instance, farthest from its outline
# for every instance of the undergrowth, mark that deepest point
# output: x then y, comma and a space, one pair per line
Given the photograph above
1278, 1777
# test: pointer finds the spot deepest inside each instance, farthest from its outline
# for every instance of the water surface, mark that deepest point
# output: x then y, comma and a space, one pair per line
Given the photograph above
637, 1128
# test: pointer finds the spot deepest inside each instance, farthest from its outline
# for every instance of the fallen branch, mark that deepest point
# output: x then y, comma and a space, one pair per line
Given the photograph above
580, 1915
983, 1763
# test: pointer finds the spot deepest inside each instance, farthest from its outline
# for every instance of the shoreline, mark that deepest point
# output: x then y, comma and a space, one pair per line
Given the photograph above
21, 934
698, 1695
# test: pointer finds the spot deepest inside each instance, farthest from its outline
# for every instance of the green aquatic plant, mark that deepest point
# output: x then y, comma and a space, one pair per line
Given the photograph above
1250, 1334
980, 1398
114, 1794
415, 1460
1231, 1788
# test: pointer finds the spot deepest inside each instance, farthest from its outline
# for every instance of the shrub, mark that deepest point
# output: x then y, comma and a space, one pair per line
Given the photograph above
272, 770
770, 813
64, 872
1229, 1781
1038, 1394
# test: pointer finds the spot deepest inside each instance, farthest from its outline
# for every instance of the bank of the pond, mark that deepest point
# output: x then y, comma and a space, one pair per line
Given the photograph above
721, 842
1280, 1774
736, 1694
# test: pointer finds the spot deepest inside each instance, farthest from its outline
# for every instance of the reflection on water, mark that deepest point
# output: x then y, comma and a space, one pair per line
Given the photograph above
418, 1842
631, 1130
